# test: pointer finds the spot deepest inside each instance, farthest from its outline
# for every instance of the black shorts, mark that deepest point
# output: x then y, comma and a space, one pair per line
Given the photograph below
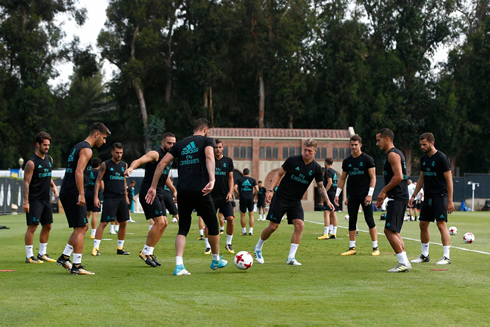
204, 206
75, 214
279, 207
331, 197
89, 200
434, 209
222, 206
419, 205
39, 212
114, 208
260, 203
156, 209
168, 200
395, 212
246, 204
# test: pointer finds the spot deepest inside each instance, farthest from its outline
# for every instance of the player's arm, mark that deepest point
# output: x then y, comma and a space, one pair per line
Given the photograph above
340, 187
172, 188
210, 166
98, 183
256, 192
55, 190
323, 194
152, 191
83, 158
274, 182
28, 171
449, 180
420, 184
231, 187
396, 165
151, 156
372, 184
126, 187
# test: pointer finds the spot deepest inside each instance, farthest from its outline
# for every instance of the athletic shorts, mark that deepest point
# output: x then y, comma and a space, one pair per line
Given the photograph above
395, 212
280, 207
419, 205
260, 203
168, 200
331, 197
204, 206
434, 209
39, 212
156, 209
114, 208
222, 206
75, 215
89, 200
246, 204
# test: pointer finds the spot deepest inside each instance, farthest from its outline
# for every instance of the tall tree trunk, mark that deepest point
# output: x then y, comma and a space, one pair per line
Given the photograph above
205, 105
168, 88
408, 152
261, 100
290, 123
211, 113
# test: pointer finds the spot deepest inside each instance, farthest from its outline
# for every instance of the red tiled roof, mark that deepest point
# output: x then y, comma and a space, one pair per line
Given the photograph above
279, 133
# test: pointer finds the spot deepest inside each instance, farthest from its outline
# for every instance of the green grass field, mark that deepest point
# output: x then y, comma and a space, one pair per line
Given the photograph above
327, 289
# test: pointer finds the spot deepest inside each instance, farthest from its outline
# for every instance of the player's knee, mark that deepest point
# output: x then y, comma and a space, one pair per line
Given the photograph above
299, 225
46, 228
273, 226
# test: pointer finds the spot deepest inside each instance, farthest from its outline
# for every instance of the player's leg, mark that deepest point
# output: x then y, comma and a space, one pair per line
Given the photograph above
46, 222
206, 241
295, 217
205, 206
395, 213
352, 209
108, 217
185, 216
426, 216
440, 207
221, 223
334, 223
122, 217
99, 232
276, 212
201, 229
326, 222
227, 210
373, 230
243, 209
251, 218
29, 244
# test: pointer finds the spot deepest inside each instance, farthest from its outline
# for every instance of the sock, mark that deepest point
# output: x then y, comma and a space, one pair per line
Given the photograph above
334, 230
77, 258
179, 261
147, 250
244, 230
259, 245
68, 250
352, 244
425, 249
325, 230
149, 227
43, 247
116, 228
215, 257
112, 229
402, 258
201, 232
331, 229
96, 243
206, 241
229, 238
260, 216
251, 230
120, 244
222, 229
93, 232
375, 244
292, 250
29, 252
446, 250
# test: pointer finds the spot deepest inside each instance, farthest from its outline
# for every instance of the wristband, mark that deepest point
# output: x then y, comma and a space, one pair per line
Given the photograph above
371, 191
270, 190
337, 193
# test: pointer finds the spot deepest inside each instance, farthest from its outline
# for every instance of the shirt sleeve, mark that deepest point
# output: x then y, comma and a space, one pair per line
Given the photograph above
231, 167
344, 165
210, 142
370, 162
174, 150
445, 163
286, 164
318, 174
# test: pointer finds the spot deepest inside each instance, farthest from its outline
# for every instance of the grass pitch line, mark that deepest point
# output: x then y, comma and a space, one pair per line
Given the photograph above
408, 238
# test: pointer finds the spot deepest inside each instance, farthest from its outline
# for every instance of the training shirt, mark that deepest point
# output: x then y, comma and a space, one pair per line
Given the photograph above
246, 187
331, 173
193, 174
261, 194
69, 185
357, 170
90, 178
298, 177
400, 191
114, 179
150, 168
223, 167
411, 189
434, 168
41, 178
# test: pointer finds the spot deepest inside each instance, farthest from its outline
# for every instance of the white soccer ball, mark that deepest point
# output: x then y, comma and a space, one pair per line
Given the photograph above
453, 230
243, 260
468, 238
346, 217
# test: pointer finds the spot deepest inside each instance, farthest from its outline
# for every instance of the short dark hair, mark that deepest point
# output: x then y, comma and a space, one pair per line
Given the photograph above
117, 145
201, 124
95, 162
132, 181
99, 127
386, 132
259, 182
427, 136
246, 171
218, 141
355, 138
168, 134
41, 136
329, 161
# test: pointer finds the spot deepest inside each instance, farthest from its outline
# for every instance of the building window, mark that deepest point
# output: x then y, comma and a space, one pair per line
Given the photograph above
285, 153
335, 154
347, 152
236, 152
262, 153
249, 152
225, 151
243, 152
341, 153
298, 151
291, 152
324, 153
318, 154
268, 153
275, 153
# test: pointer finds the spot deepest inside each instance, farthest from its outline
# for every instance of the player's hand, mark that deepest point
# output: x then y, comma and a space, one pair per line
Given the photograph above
367, 200
175, 196
81, 200
128, 172
150, 195
268, 197
127, 200
381, 198
450, 206
97, 202
25, 207
330, 205
208, 188
229, 196
336, 200
410, 202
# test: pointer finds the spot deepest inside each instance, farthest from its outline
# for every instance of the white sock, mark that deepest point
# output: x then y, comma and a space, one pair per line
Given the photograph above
334, 230
292, 250
147, 250
331, 229
29, 252
375, 244
97, 243
93, 232
201, 232
222, 229
251, 230
77, 258
446, 250
112, 229
116, 228
149, 227
44, 246
244, 230
179, 261
403, 259
425, 249
68, 250
229, 238
120, 244
325, 230
259, 245
215, 257
352, 244
206, 241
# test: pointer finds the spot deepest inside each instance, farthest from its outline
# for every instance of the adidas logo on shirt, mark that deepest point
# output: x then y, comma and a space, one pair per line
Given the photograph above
190, 148
297, 168
40, 166
112, 169
246, 183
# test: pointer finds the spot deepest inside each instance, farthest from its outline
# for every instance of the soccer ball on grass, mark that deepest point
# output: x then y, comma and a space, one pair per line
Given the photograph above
469, 238
243, 260
453, 230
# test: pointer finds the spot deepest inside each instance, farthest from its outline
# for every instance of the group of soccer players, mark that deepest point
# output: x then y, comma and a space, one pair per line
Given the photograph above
206, 185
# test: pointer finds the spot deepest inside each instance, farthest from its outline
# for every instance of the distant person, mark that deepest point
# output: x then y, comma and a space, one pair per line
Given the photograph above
170, 198
419, 201
411, 188
330, 180
261, 193
91, 174
130, 192
246, 187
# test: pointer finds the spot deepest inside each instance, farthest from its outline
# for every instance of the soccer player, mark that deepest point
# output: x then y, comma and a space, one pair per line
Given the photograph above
436, 178
196, 181
395, 176
246, 187
154, 210
72, 196
298, 172
36, 205
130, 192
169, 198
261, 200
91, 174
116, 199
330, 180
360, 169
419, 198
411, 210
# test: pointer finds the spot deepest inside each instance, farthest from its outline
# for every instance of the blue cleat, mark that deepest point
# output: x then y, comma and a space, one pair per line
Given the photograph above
181, 271
221, 263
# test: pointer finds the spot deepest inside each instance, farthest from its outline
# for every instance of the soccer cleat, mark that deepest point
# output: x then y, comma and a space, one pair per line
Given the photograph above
95, 252
201, 238
221, 231
80, 270
258, 256
131, 220
92, 237
421, 258
323, 237
400, 268
33, 260
122, 252
332, 237
251, 234
293, 262
229, 248
375, 252
221, 263
45, 257
64, 261
181, 271
147, 259
207, 251
351, 251
174, 220
444, 261
243, 234
113, 233
154, 259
